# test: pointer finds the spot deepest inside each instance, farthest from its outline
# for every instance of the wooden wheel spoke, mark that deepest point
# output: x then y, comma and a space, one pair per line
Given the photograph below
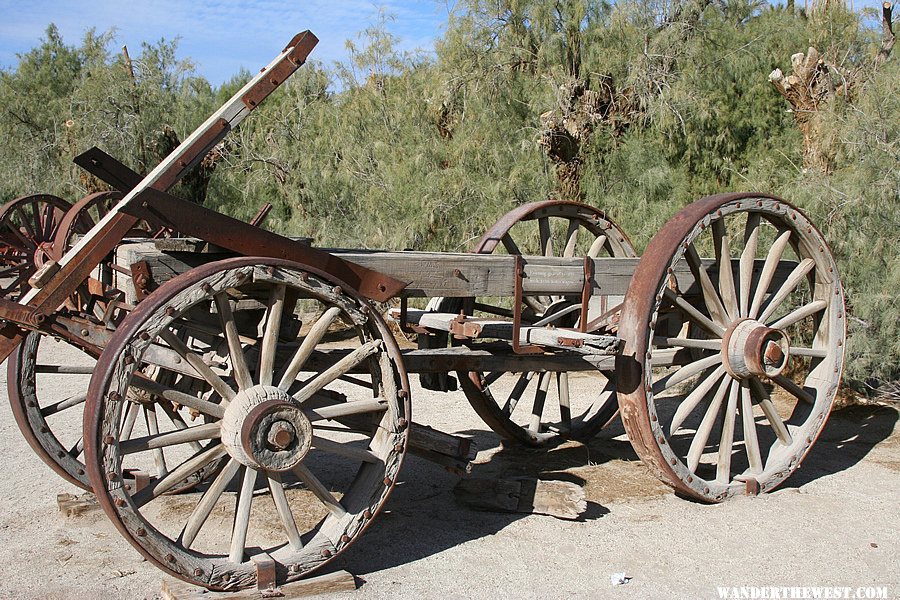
319, 490
159, 459
312, 339
726, 442
710, 295
768, 272
771, 413
798, 314
571, 237
540, 398
809, 352
597, 246
726, 275
344, 409
692, 400
546, 236
510, 245
62, 405
686, 372
76, 450
336, 370
235, 349
178, 474
565, 406
345, 450
158, 440
207, 502
692, 313
167, 393
130, 419
698, 443
790, 284
516, 394
242, 516
270, 335
276, 487
195, 361
794, 389
751, 442
748, 258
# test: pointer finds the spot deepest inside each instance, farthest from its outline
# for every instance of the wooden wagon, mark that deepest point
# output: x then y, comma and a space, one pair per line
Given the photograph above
228, 363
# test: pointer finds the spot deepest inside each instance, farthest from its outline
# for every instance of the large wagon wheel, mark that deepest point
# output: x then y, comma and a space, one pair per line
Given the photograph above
27, 228
757, 340
542, 408
52, 428
320, 427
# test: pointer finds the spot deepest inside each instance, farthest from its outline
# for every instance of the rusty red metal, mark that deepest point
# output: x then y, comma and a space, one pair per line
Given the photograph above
301, 45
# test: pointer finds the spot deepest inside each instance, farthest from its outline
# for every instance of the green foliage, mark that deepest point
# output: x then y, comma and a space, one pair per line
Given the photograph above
399, 150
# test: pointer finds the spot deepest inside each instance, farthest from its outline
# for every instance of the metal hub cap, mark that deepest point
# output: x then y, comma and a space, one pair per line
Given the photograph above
750, 348
265, 428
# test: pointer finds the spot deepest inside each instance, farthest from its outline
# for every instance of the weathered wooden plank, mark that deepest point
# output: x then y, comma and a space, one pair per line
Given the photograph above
560, 499
339, 581
432, 274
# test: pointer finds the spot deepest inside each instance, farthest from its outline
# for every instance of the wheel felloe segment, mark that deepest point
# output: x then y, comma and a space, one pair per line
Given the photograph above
733, 335
308, 433
544, 408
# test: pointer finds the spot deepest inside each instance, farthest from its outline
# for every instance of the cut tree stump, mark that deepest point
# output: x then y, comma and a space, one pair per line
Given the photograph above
560, 499
339, 581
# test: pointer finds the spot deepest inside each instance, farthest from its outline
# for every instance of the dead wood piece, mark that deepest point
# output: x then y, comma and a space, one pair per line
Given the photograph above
72, 506
339, 581
452, 452
560, 499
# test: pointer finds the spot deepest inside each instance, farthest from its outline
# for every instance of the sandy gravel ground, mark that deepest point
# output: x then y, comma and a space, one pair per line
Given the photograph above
835, 523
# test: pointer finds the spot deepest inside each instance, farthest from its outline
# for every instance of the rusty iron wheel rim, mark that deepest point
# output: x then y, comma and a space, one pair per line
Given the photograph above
477, 386
365, 494
648, 415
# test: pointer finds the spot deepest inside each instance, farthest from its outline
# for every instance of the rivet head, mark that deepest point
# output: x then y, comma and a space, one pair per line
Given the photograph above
120, 502
170, 311
170, 557
705, 490
690, 479
60, 453
388, 481
32, 403
144, 336
141, 532
398, 447
336, 290
294, 568
111, 476
326, 552
367, 514
115, 396
672, 461
345, 538
402, 423
108, 440
662, 441
198, 572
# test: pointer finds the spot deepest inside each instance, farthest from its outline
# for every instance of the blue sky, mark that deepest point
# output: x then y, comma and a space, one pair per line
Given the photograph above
220, 36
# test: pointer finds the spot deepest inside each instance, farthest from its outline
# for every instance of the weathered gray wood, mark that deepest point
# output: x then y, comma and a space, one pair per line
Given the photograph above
339, 581
71, 505
560, 499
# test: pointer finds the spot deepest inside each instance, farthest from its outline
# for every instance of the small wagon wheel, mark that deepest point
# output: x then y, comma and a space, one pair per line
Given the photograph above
521, 406
27, 229
731, 363
320, 428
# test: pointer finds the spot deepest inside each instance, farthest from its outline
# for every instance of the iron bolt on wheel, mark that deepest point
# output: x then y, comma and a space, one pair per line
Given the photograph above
311, 429
731, 362
546, 407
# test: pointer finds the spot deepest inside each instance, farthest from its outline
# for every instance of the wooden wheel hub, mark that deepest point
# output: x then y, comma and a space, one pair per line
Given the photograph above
750, 348
264, 428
